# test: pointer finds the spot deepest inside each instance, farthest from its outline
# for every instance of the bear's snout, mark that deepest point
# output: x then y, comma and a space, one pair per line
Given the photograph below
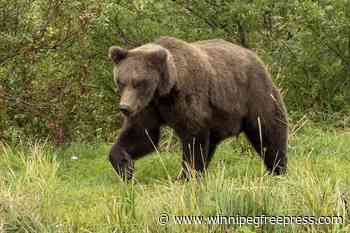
129, 102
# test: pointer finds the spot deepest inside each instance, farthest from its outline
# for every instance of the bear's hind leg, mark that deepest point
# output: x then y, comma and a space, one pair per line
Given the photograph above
270, 142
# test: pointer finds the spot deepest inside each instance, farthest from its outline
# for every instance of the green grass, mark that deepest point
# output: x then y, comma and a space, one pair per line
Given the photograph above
42, 189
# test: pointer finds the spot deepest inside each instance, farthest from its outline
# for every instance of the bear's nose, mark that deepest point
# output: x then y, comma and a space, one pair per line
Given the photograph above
124, 109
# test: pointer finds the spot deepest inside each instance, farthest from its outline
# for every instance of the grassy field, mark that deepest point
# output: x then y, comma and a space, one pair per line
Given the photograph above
43, 189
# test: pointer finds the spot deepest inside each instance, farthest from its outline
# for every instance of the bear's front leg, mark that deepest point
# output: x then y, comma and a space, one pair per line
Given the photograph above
133, 143
195, 155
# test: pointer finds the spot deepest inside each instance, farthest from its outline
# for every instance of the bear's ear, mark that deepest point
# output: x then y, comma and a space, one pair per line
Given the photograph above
168, 76
158, 56
117, 54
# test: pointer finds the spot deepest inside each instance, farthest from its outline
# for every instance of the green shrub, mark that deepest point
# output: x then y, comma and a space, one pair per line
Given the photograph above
56, 81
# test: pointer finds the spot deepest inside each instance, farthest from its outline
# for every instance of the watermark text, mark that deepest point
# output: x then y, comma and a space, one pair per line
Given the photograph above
164, 218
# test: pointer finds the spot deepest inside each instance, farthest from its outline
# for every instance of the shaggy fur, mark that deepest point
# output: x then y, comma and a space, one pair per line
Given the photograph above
206, 91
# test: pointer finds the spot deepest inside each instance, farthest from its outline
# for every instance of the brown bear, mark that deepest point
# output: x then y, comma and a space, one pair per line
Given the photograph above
206, 91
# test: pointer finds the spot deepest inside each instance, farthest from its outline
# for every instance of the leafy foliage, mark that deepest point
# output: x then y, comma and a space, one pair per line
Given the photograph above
56, 81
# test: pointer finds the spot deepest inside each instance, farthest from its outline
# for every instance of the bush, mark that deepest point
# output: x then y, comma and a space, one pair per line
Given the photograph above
56, 80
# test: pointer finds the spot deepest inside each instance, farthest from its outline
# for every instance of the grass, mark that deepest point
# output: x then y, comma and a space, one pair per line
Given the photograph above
45, 189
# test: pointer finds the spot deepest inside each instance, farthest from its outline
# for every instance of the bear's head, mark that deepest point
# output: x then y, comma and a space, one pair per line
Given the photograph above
140, 74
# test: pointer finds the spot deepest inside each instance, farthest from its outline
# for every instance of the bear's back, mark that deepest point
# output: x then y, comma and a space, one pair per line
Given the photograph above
226, 73
221, 51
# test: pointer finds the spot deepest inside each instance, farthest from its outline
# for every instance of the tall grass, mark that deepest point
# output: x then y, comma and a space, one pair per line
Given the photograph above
76, 190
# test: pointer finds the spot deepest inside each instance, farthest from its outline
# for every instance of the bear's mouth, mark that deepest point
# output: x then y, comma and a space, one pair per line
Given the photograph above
136, 111
130, 115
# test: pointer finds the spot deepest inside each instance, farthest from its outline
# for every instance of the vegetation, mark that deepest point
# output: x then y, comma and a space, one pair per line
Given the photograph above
76, 190
56, 80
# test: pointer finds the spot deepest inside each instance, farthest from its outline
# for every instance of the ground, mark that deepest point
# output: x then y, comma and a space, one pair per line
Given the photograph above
75, 189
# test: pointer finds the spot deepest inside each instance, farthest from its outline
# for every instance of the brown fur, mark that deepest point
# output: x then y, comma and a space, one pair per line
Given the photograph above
206, 91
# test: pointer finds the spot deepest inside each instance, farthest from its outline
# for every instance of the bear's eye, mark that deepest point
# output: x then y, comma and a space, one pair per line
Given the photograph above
139, 83
120, 83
